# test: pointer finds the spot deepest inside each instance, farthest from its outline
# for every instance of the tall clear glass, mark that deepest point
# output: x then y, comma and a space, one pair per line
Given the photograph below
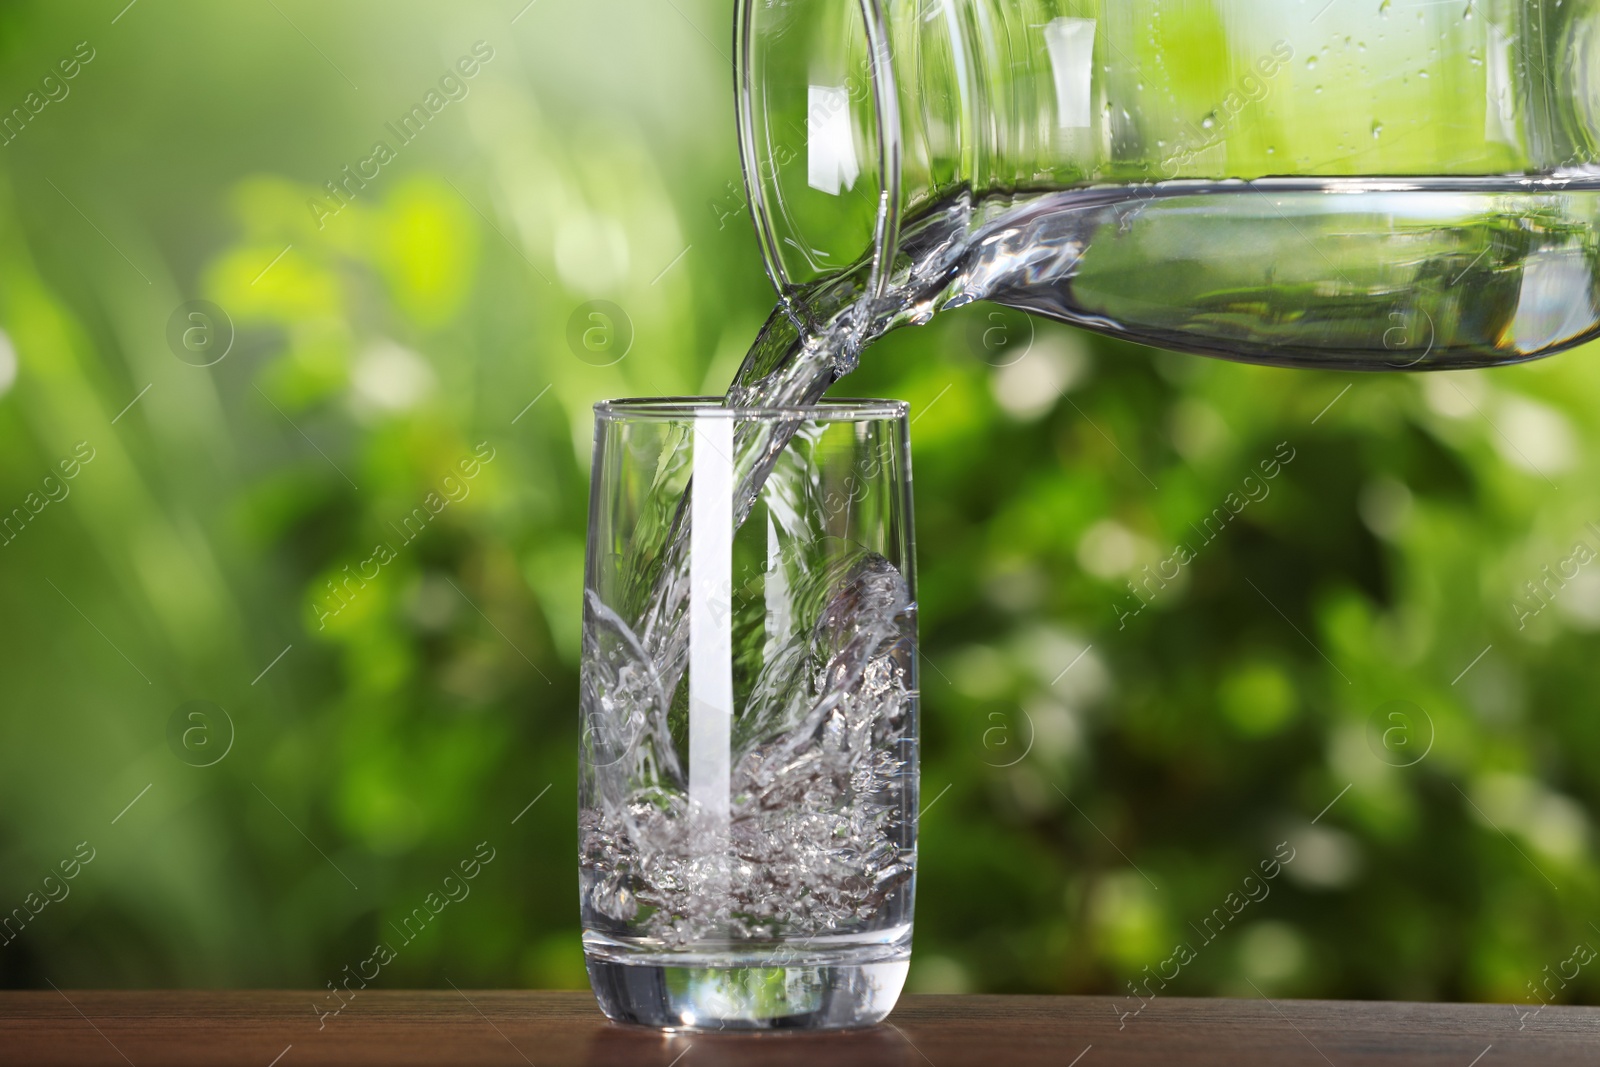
748, 779
1335, 183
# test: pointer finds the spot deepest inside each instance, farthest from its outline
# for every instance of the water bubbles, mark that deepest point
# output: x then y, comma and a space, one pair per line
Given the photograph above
818, 784
1209, 121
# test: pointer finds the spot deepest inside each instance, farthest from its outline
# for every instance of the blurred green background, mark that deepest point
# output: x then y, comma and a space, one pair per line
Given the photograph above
1342, 668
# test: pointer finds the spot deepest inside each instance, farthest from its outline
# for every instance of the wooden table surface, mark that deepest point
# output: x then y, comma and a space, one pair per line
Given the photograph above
281, 1029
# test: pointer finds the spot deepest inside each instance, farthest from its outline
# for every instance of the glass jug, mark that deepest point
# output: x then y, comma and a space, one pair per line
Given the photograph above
1366, 184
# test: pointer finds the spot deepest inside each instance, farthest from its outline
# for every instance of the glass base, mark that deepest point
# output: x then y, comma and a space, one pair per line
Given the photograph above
813, 996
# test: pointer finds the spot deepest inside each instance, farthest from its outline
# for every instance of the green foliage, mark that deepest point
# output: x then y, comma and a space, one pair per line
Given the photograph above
1103, 767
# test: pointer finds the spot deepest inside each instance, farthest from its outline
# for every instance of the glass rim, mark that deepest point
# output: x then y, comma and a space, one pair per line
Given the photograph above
829, 409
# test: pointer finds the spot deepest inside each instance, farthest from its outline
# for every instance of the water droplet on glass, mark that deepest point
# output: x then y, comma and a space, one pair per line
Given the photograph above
1311, 62
1377, 129
1209, 121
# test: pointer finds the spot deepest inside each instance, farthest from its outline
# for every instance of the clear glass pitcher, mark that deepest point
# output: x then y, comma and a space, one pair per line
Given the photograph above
1354, 183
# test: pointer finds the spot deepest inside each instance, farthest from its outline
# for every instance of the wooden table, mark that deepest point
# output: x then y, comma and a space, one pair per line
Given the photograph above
280, 1029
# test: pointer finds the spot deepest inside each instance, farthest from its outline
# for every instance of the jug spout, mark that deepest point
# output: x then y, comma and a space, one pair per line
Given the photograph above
1287, 181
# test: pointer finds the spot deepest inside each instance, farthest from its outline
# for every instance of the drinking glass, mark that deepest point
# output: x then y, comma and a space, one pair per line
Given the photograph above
1372, 185
748, 764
